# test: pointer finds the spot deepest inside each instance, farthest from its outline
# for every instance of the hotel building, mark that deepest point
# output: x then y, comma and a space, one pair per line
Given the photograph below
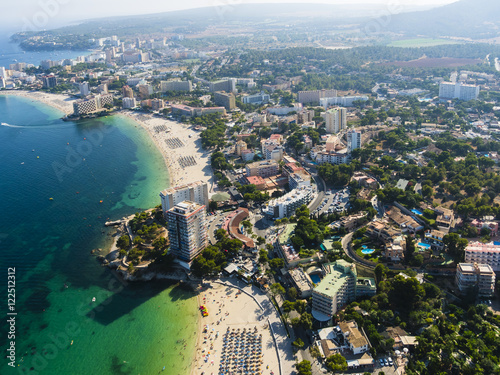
187, 230
483, 253
475, 277
194, 192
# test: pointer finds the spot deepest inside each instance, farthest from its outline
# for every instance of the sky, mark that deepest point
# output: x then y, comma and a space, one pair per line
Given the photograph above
46, 14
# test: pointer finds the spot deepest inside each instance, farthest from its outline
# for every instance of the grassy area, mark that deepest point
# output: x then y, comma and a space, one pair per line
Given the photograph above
420, 42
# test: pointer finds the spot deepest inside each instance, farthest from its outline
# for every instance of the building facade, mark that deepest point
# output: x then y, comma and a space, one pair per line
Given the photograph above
483, 253
264, 169
478, 278
176, 85
187, 230
227, 101
336, 120
336, 289
313, 97
194, 192
452, 90
286, 205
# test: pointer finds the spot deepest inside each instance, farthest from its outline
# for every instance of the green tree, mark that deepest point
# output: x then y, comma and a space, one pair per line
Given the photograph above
292, 293
298, 343
306, 320
303, 368
123, 242
336, 363
276, 289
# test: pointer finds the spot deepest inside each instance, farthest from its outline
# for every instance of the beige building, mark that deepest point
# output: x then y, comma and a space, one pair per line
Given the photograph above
227, 101
336, 120
264, 168
475, 277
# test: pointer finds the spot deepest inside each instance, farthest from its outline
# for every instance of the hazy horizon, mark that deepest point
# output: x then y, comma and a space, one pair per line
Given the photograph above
48, 14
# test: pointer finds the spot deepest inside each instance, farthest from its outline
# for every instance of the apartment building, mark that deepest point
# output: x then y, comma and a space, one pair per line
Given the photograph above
92, 104
194, 192
475, 277
176, 85
452, 90
336, 289
336, 120
313, 97
483, 253
264, 168
227, 101
286, 205
187, 230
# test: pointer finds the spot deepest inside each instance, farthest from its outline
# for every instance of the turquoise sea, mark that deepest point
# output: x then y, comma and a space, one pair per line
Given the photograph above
93, 170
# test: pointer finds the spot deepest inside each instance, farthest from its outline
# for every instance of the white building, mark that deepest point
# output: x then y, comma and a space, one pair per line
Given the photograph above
128, 103
256, 99
336, 120
451, 90
298, 180
92, 104
194, 192
344, 101
3, 72
475, 277
187, 230
314, 97
176, 85
336, 289
483, 253
353, 140
321, 156
2, 83
84, 89
286, 205
227, 85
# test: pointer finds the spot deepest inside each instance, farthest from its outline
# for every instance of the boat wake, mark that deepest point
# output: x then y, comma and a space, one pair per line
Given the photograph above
33, 126
11, 126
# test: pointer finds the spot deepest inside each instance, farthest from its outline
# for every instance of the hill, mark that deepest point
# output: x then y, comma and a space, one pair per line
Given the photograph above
475, 19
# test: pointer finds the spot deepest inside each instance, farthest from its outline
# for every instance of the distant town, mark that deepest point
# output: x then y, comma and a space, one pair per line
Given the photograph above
360, 195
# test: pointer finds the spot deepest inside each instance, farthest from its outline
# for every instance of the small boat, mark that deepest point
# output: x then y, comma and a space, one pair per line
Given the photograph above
93, 299
51, 199
22, 163
71, 342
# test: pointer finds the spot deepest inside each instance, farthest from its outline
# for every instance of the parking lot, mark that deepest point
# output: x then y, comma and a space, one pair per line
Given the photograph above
334, 201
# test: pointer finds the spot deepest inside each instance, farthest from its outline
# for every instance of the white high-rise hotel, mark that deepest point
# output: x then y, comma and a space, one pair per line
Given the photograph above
187, 230
452, 90
353, 140
336, 120
194, 192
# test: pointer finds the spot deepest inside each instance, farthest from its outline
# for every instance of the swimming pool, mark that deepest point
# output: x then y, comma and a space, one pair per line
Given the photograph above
426, 245
322, 247
417, 212
315, 279
496, 243
367, 251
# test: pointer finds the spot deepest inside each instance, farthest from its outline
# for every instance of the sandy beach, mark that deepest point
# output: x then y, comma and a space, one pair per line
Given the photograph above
180, 146
63, 103
239, 333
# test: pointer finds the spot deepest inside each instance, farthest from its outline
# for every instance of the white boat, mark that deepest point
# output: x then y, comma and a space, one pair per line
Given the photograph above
93, 299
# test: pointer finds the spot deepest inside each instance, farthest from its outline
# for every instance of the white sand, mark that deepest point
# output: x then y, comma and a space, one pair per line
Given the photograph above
189, 142
237, 311
63, 103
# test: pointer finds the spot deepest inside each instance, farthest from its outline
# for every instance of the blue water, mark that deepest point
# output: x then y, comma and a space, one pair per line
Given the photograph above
423, 244
364, 246
315, 279
94, 171
323, 248
496, 243
10, 53
417, 212
367, 251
